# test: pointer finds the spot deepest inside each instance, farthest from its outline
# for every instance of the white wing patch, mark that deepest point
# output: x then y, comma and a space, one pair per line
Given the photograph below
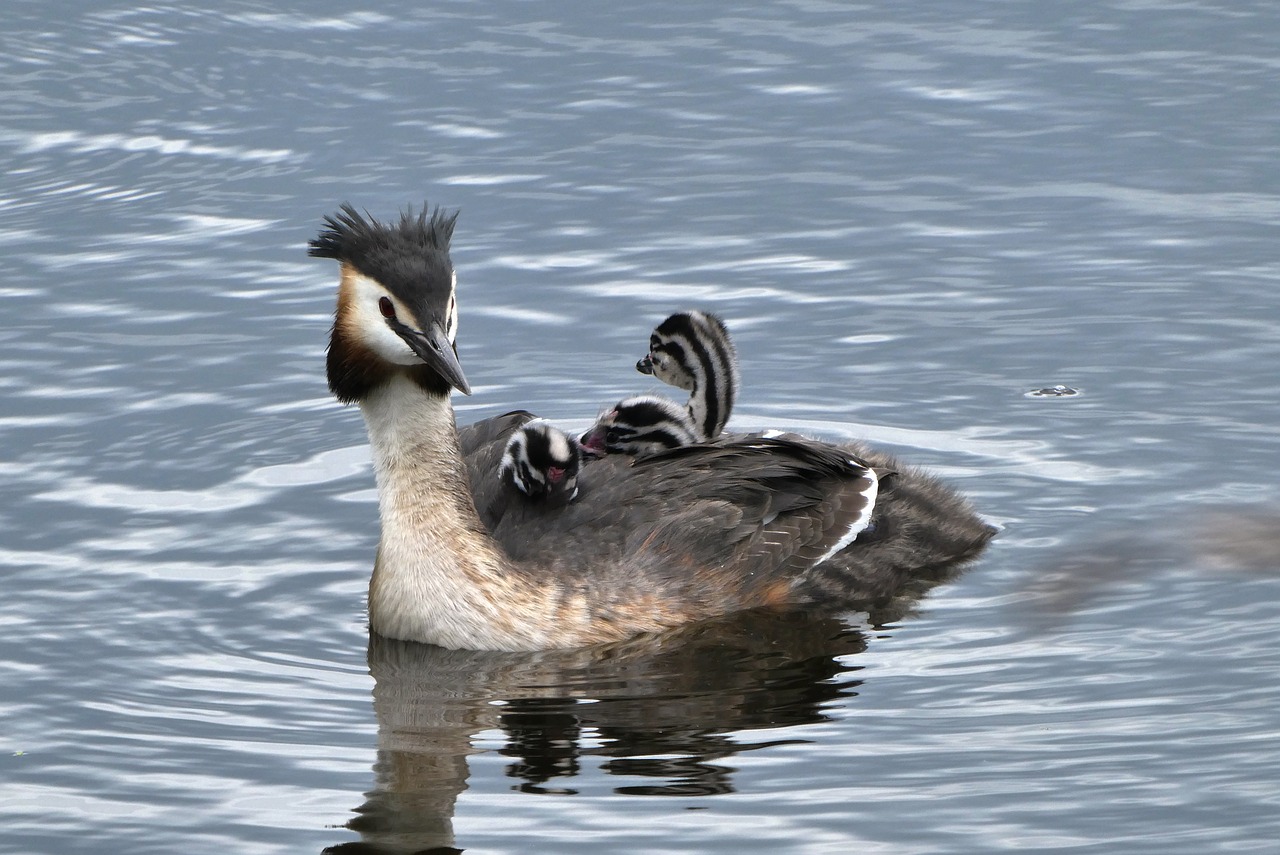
863, 519
451, 322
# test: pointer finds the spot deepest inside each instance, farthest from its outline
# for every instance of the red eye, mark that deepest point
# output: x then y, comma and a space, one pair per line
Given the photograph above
384, 306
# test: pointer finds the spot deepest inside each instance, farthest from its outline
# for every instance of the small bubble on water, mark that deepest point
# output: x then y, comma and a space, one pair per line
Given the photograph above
1059, 391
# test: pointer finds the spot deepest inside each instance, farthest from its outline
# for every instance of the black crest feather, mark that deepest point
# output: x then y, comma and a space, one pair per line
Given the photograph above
362, 240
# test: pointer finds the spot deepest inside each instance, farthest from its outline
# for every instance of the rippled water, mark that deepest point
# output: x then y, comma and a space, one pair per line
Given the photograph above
911, 219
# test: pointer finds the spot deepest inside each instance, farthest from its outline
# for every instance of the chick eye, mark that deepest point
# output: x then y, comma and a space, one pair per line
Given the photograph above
384, 306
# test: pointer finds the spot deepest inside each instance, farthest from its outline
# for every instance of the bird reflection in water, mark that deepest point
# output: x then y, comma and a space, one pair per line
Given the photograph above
664, 710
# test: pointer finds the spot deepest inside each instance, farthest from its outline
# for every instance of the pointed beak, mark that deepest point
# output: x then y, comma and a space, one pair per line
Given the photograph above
645, 365
434, 348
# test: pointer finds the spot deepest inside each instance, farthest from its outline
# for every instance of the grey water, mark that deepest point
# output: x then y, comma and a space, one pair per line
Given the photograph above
913, 218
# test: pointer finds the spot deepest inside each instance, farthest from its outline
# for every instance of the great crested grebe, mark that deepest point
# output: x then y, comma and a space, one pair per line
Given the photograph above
515, 461
641, 424
542, 462
651, 543
689, 350
693, 351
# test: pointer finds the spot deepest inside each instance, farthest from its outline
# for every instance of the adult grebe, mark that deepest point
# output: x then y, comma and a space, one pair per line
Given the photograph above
679, 536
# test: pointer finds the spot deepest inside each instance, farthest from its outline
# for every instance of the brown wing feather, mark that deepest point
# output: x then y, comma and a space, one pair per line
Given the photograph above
738, 522
725, 519
920, 528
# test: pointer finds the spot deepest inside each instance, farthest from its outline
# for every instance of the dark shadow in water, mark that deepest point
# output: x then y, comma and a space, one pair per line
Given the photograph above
1243, 539
664, 711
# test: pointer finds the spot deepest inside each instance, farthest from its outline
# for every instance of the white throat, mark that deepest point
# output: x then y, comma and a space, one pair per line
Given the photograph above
432, 548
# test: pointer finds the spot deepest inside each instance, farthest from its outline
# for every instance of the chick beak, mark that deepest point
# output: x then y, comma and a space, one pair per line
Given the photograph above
593, 443
645, 364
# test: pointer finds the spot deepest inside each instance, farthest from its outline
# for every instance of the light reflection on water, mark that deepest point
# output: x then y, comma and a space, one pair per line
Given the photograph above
909, 225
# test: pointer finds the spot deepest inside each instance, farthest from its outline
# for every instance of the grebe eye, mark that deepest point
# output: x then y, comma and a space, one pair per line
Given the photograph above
384, 306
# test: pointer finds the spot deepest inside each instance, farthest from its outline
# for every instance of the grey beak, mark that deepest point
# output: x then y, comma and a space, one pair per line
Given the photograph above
434, 348
645, 365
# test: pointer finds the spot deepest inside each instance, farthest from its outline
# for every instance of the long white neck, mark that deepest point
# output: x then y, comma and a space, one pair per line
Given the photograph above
439, 577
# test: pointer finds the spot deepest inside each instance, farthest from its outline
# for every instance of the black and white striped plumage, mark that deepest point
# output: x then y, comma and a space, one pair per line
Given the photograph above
641, 424
689, 350
542, 461
519, 466
692, 350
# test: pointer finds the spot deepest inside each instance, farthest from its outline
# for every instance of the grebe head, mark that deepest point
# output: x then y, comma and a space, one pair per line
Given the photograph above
397, 308
641, 424
687, 348
693, 351
542, 462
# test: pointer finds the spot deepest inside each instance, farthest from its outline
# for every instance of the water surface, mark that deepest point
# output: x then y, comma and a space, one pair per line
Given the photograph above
910, 219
